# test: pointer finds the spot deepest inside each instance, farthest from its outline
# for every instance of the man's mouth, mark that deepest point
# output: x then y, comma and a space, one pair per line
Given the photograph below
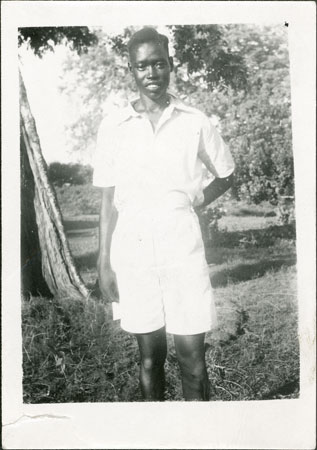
153, 86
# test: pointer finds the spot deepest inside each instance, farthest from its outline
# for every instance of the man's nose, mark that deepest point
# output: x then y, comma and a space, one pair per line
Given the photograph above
151, 71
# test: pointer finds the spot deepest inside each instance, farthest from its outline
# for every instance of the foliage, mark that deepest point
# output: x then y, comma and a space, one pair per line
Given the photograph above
286, 210
210, 63
254, 121
95, 81
257, 123
60, 174
209, 222
43, 39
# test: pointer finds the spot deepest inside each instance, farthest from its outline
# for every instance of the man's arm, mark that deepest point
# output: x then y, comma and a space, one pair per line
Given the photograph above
215, 189
107, 223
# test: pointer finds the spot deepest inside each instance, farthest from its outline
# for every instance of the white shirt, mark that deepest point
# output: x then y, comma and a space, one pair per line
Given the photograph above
162, 167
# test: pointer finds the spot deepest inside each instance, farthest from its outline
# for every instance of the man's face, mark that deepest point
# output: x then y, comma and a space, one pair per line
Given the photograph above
151, 67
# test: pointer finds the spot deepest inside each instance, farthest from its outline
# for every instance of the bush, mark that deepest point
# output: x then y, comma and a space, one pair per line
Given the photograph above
209, 222
60, 174
256, 122
286, 209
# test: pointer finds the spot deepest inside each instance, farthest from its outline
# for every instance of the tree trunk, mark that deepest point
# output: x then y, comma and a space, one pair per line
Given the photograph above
44, 243
33, 281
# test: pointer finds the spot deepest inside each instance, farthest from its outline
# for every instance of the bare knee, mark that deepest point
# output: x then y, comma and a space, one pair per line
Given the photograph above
149, 363
191, 358
193, 368
190, 353
192, 364
153, 349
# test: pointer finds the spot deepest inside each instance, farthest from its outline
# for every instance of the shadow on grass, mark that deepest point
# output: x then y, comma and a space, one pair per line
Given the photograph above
287, 390
80, 228
245, 272
263, 237
80, 234
251, 212
87, 261
79, 225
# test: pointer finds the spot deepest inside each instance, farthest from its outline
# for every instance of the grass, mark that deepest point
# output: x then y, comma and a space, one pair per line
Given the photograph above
256, 345
74, 352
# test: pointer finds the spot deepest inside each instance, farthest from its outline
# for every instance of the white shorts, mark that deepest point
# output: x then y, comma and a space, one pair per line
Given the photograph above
162, 274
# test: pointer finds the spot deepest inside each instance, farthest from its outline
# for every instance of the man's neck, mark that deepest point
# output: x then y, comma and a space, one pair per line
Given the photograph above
150, 106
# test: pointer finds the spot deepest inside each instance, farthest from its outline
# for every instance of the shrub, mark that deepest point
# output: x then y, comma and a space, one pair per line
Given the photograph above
209, 222
60, 174
286, 209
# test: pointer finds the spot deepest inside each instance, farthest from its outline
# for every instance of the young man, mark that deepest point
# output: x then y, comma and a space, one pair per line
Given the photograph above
149, 162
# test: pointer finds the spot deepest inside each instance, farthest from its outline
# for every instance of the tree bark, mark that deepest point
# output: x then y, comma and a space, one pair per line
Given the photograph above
44, 237
33, 281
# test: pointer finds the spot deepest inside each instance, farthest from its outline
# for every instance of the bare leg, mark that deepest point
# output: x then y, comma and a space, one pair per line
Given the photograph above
190, 353
152, 348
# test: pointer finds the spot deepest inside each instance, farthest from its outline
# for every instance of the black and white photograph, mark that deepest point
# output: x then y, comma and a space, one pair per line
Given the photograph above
159, 233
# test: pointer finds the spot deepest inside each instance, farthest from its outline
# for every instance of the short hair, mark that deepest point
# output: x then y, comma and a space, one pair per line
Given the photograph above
145, 35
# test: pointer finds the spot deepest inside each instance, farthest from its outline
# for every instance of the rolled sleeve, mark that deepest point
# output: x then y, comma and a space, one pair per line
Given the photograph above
104, 157
213, 151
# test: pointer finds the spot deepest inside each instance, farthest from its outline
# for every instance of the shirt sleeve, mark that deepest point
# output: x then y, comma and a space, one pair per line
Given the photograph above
104, 156
213, 151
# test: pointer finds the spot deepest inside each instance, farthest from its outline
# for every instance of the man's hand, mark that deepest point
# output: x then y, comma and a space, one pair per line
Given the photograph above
108, 285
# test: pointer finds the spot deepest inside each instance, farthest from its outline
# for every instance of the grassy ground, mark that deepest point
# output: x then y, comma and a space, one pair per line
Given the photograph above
74, 352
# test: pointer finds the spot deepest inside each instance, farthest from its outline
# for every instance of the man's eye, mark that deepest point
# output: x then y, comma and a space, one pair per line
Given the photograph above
160, 65
140, 68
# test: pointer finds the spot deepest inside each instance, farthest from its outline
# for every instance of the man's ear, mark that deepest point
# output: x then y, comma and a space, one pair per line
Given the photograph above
130, 67
170, 59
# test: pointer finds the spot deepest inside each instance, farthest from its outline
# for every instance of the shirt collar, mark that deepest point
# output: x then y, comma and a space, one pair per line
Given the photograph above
178, 104
129, 112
